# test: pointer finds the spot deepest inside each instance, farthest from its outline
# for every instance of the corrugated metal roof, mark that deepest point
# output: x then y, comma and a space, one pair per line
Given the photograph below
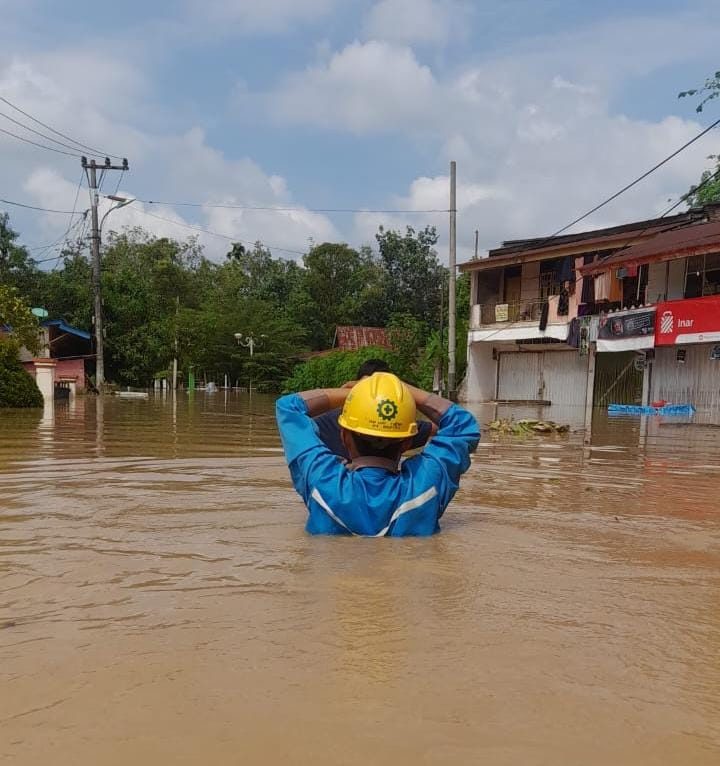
351, 338
695, 239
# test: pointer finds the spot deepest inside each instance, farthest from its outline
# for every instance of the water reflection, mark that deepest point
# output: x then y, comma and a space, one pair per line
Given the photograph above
159, 601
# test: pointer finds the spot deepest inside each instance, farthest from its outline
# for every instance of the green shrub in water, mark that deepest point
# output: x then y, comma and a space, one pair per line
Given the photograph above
17, 386
338, 367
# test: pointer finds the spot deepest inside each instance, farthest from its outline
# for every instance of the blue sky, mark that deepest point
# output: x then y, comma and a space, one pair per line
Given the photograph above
547, 107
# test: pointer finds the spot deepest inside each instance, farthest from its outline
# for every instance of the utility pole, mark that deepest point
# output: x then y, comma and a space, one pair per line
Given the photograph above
451, 285
91, 172
477, 235
175, 358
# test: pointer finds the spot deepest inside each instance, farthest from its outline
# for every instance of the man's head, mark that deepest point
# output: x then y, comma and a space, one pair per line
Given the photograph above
378, 418
371, 366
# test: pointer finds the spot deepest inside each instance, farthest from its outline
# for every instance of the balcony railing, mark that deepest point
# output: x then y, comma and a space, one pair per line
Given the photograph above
518, 311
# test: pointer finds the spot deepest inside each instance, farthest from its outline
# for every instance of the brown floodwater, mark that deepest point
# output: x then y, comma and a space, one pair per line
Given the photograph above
160, 602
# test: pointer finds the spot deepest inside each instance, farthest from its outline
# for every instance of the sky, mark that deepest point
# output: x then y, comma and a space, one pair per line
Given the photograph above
547, 106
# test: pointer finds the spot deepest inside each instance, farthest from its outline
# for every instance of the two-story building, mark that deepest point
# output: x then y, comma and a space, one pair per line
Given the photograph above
571, 320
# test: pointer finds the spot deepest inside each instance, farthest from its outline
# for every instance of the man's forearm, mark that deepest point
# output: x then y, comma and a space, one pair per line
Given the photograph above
320, 400
431, 405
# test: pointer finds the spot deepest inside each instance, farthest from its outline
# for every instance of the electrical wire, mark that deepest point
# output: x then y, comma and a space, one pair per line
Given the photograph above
216, 234
71, 224
287, 209
35, 143
38, 133
636, 181
66, 239
57, 132
33, 207
117, 186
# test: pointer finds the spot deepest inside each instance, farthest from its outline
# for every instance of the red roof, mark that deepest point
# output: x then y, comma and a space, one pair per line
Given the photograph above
351, 338
697, 239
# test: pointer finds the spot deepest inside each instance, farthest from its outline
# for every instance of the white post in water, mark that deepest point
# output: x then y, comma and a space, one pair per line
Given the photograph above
45, 377
451, 286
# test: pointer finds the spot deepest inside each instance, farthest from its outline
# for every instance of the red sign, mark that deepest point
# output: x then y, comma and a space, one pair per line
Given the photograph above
696, 320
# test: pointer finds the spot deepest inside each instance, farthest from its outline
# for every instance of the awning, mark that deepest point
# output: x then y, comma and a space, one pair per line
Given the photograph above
557, 332
626, 344
695, 239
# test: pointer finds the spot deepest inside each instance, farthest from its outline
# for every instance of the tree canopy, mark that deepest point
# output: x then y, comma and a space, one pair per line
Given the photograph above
160, 294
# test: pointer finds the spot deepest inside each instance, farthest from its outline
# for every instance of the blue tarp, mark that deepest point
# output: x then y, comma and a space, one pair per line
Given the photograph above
62, 325
634, 409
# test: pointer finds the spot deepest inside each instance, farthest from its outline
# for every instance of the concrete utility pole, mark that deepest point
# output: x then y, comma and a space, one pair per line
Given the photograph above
451, 286
90, 169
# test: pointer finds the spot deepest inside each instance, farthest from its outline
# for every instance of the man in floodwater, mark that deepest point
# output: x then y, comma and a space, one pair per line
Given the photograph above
329, 428
375, 494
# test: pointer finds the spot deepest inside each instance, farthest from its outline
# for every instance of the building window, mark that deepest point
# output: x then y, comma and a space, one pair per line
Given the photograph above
702, 275
549, 282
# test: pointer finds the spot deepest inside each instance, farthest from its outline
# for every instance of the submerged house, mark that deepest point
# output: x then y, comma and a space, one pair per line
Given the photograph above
585, 318
64, 350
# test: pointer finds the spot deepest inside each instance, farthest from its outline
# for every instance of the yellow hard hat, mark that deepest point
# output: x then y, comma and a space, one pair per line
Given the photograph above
380, 405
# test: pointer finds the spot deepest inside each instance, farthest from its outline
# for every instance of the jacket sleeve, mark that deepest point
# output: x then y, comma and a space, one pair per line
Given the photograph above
449, 450
304, 450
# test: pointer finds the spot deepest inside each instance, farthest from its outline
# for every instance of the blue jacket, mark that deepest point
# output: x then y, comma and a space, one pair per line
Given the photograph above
370, 497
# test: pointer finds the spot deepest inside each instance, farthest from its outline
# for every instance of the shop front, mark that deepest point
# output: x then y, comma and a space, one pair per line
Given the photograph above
687, 353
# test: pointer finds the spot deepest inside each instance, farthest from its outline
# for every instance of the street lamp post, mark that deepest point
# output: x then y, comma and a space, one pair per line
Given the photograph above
249, 342
97, 299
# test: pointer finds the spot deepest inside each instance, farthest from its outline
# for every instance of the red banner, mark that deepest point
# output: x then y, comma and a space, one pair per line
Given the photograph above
696, 320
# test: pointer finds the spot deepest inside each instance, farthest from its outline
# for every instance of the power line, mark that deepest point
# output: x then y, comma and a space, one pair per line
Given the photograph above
66, 241
216, 234
35, 143
288, 209
636, 181
38, 133
57, 132
33, 207
71, 224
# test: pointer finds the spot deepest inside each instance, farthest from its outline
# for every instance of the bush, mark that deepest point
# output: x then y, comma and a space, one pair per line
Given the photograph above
338, 367
17, 386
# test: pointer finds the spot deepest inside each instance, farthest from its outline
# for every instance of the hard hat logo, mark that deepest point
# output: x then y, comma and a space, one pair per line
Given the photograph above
387, 409
381, 405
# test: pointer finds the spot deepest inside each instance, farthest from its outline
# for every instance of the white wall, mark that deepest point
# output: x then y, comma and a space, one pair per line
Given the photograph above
481, 373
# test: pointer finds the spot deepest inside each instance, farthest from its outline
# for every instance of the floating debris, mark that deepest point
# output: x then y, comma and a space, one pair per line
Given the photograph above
509, 426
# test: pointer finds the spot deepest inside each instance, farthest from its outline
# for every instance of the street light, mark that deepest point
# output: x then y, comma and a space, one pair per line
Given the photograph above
122, 201
250, 342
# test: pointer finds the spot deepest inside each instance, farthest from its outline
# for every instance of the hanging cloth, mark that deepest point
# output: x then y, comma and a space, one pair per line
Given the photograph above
544, 315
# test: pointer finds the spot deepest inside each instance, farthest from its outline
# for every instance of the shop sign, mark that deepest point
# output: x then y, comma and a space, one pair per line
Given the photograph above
635, 325
501, 312
626, 331
696, 320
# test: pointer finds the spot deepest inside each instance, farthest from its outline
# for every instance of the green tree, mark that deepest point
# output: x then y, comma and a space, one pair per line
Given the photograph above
338, 286
145, 280
709, 91
707, 190
17, 386
412, 272
17, 318
16, 266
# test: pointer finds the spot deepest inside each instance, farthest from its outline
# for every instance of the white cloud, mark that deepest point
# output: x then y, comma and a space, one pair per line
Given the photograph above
417, 21
164, 165
373, 86
248, 16
535, 132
